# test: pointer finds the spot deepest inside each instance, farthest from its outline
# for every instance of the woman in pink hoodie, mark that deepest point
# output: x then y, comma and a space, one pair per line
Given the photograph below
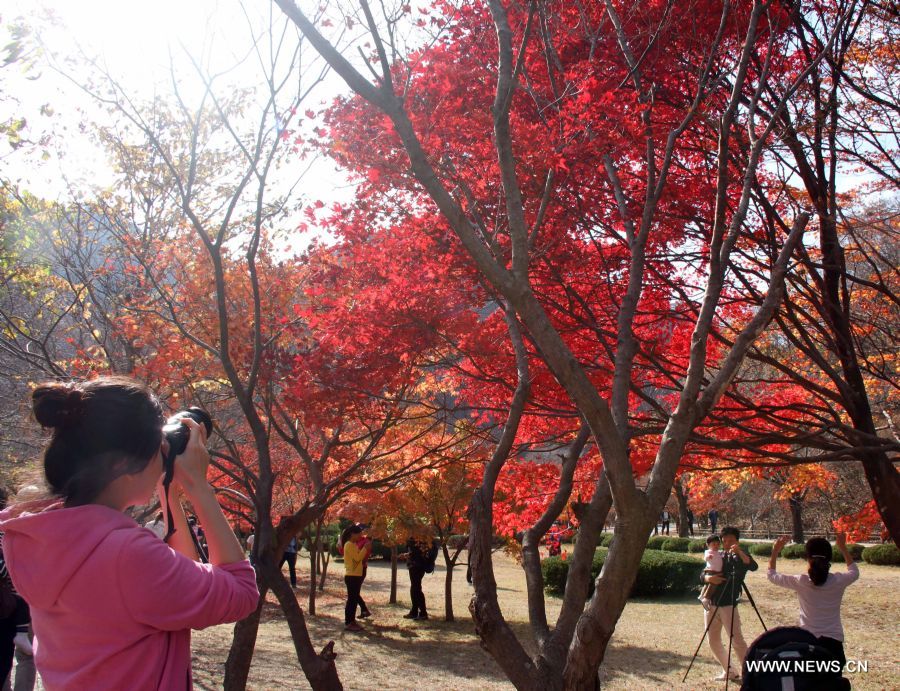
112, 605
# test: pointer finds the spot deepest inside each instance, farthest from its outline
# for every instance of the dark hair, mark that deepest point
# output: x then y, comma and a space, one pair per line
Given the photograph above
731, 530
818, 553
713, 538
348, 531
102, 429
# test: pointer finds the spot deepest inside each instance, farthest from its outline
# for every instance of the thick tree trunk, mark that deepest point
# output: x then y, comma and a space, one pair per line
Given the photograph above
881, 474
393, 597
596, 626
795, 503
592, 517
495, 634
836, 310
884, 480
497, 637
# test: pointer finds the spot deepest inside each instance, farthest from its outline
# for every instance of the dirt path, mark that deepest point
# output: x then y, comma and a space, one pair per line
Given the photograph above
651, 649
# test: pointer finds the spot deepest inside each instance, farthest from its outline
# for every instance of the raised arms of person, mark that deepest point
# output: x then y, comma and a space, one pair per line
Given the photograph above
841, 542
776, 550
190, 473
180, 540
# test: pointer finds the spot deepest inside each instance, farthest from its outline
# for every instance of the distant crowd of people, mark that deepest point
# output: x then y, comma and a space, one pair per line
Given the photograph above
664, 522
355, 546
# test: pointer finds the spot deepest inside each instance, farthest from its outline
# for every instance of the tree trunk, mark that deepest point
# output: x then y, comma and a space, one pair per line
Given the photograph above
393, 598
884, 481
596, 627
319, 668
448, 588
317, 561
496, 635
323, 570
243, 643
313, 563
682, 510
795, 502
881, 474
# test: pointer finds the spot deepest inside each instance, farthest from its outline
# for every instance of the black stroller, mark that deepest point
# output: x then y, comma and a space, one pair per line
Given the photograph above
799, 663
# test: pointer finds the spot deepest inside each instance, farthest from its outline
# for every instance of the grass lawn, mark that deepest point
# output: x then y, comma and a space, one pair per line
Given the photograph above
651, 648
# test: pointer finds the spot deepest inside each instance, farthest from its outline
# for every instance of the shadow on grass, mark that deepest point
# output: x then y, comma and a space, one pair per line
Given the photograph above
649, 664
436, 645
687, 598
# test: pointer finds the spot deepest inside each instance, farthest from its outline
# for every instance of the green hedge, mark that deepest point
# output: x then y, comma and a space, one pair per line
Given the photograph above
856, 551
656, 541
333, 546
605, 540
697, 546
676, 544
327, 539
762, 549
555, 571
660, 573
666, 573
794, 552
886, 555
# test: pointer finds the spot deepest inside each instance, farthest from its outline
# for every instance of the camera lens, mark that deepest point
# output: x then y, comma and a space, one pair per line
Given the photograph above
178, 434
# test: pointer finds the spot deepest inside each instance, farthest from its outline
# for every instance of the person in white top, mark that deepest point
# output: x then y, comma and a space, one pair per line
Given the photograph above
251, 538
819, 592
157, 526
714, 562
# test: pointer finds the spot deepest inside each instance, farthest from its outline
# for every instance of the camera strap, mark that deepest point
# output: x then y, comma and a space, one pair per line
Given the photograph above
169, 465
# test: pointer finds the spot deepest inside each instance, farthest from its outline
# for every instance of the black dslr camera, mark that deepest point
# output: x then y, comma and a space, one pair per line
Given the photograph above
178, 434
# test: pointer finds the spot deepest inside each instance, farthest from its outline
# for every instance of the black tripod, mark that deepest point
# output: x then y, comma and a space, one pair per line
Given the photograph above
731, 581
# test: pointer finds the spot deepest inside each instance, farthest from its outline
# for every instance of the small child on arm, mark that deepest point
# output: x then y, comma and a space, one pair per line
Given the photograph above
713, 558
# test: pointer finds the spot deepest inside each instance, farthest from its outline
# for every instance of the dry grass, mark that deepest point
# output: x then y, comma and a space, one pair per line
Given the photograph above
651, 649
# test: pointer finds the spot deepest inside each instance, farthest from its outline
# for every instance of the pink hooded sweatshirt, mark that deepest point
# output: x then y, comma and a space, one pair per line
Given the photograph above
112, 605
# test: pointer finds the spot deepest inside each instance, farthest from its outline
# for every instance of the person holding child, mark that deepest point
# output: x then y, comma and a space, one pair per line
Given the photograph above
722, 613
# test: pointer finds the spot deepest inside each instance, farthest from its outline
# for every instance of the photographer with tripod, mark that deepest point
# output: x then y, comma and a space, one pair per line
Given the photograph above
723, 611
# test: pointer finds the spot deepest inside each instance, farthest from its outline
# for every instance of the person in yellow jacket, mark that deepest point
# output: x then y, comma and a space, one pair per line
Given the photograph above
356, 550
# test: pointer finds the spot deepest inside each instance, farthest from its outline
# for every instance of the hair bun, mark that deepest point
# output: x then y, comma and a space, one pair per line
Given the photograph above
56, 405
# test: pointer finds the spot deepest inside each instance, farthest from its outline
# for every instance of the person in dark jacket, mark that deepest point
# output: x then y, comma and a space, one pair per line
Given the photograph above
723, 613
419, 561
290, 556
713, 516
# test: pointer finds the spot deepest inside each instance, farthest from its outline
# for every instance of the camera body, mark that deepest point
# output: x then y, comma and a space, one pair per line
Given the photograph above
178, 434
